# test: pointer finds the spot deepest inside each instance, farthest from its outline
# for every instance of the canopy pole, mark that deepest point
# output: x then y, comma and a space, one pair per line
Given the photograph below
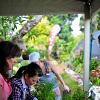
87, 47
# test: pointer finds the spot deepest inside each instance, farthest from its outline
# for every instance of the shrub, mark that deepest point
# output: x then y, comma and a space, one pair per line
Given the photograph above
95, 80
77, 61
44, 91
77, 95
93, 64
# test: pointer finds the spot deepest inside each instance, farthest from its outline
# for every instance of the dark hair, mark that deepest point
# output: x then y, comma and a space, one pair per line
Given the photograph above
99, 39
7, 50
31, 69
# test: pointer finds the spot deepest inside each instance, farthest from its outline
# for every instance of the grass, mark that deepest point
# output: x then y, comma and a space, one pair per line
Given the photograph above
76, 92
70, 82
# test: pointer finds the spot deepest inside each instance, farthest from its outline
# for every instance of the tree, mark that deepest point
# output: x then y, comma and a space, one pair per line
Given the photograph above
30, 24
62, 48
39, 35
8, 24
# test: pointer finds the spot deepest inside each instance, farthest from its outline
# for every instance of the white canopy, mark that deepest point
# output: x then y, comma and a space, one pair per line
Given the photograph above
41, 7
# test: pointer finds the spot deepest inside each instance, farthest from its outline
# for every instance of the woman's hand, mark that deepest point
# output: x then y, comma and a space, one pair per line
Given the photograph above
66, 88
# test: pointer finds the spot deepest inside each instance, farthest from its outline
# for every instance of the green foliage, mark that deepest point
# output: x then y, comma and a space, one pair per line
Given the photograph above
76, 92
65, 33
42, 28
38, 37
64, 42
97, 20
64, 48
30, 50
44, 91
77, 61
77, 95
62, 19
95, 80
93, 64
8, 24
25, 54
20, 63
55, 20
44, 54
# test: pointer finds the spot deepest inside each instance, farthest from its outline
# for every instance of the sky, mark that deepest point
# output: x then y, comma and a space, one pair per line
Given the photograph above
75, 26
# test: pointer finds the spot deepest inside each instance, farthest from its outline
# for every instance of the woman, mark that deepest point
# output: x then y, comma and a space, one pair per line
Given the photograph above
25, 77
49, 73
8, 54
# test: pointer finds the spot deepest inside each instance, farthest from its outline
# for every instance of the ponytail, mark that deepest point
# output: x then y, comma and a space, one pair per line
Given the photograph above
20, 72
31, 69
